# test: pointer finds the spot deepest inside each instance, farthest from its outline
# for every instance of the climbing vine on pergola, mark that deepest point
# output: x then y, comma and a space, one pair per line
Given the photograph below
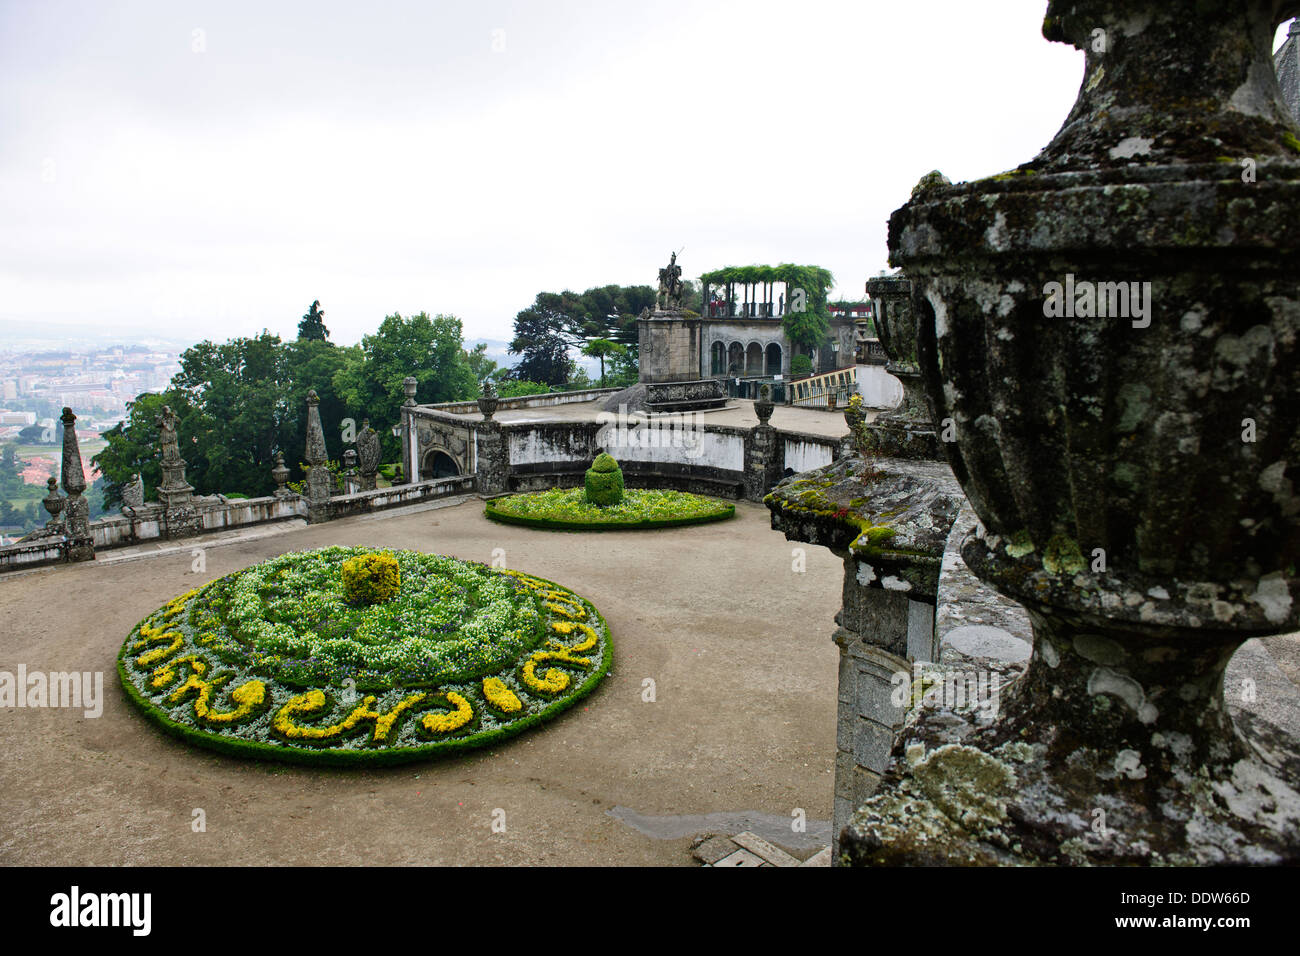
807, 327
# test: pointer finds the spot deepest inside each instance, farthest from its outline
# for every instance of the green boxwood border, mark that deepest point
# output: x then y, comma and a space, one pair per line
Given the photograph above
378, 757
557, 524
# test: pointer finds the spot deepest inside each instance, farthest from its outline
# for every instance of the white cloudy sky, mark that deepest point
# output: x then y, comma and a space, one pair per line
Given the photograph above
460, 157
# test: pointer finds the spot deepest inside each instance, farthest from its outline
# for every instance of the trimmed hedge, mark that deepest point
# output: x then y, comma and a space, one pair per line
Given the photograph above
603, 481
728, 510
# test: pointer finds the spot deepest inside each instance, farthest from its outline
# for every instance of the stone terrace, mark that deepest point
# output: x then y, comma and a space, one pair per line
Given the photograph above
737, 643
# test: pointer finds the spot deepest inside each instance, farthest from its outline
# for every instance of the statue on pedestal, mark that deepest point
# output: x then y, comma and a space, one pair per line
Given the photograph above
670, 286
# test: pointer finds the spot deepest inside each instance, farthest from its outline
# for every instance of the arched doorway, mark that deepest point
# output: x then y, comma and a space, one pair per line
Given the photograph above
774, 359
718, 359
438, 464
754, 359
735, 359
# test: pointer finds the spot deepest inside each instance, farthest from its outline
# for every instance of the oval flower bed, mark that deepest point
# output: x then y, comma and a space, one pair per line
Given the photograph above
568, 509
287, 661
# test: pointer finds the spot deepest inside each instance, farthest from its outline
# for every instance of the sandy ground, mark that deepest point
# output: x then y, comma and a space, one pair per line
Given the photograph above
737, 643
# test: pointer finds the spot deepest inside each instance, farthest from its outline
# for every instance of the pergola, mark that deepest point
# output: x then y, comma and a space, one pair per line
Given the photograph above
813, 280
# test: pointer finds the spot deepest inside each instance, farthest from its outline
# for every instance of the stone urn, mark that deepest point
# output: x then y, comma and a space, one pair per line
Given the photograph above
895, 323
53, 503
280, 474
487, 402
1112, 329
763, 405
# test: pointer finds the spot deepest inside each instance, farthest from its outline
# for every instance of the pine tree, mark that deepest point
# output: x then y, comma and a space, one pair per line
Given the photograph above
312, 326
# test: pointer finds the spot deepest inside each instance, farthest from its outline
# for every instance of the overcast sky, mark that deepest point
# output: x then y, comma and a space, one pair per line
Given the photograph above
207, 169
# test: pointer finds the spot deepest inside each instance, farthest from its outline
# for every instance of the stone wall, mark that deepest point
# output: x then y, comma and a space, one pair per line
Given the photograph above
145, 524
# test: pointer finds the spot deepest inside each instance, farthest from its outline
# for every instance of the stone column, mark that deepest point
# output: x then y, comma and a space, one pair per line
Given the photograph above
319, 482
76, 509
762, 451
410, 467
890, 527
175, 494
1114, 331
493, 462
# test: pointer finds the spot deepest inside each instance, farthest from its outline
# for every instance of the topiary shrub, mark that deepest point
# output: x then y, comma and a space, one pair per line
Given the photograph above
370, 578
604, 481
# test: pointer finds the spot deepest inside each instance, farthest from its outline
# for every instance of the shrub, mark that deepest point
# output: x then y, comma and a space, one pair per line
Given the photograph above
800, 365
370, 578
604, 481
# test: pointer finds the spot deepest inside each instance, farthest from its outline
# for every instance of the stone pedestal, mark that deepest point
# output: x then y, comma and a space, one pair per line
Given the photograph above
669, 342
890, 527
669, 346
493, 465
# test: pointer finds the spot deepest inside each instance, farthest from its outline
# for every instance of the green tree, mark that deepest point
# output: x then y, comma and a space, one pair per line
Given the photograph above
312, 327
514, 389
240, 410
484, 368
430, 349
602, 349
132, 445
541, 337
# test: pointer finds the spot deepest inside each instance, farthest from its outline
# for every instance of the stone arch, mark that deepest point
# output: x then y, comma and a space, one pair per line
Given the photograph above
718, 358
437, 462
735, 359
774, 358
754, 359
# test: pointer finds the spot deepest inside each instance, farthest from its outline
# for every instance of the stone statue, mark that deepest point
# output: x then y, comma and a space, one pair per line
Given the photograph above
368, 453
670, 285
167, 435
133, 493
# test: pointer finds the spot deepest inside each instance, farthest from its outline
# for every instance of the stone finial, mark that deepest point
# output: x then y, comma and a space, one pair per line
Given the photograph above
319, 481
368, 454
316, 452
53, 503
280, 474
351, 483
763, 405
74, 476
487, 403
409, 385
76, 521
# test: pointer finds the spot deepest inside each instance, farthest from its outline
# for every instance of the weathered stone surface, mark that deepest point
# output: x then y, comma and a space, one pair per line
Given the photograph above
368, 454
319, 482
893, 516
76, 509
1112, 330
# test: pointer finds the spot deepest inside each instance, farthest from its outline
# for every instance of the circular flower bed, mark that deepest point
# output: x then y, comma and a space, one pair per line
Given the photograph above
568, 509
281, 660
